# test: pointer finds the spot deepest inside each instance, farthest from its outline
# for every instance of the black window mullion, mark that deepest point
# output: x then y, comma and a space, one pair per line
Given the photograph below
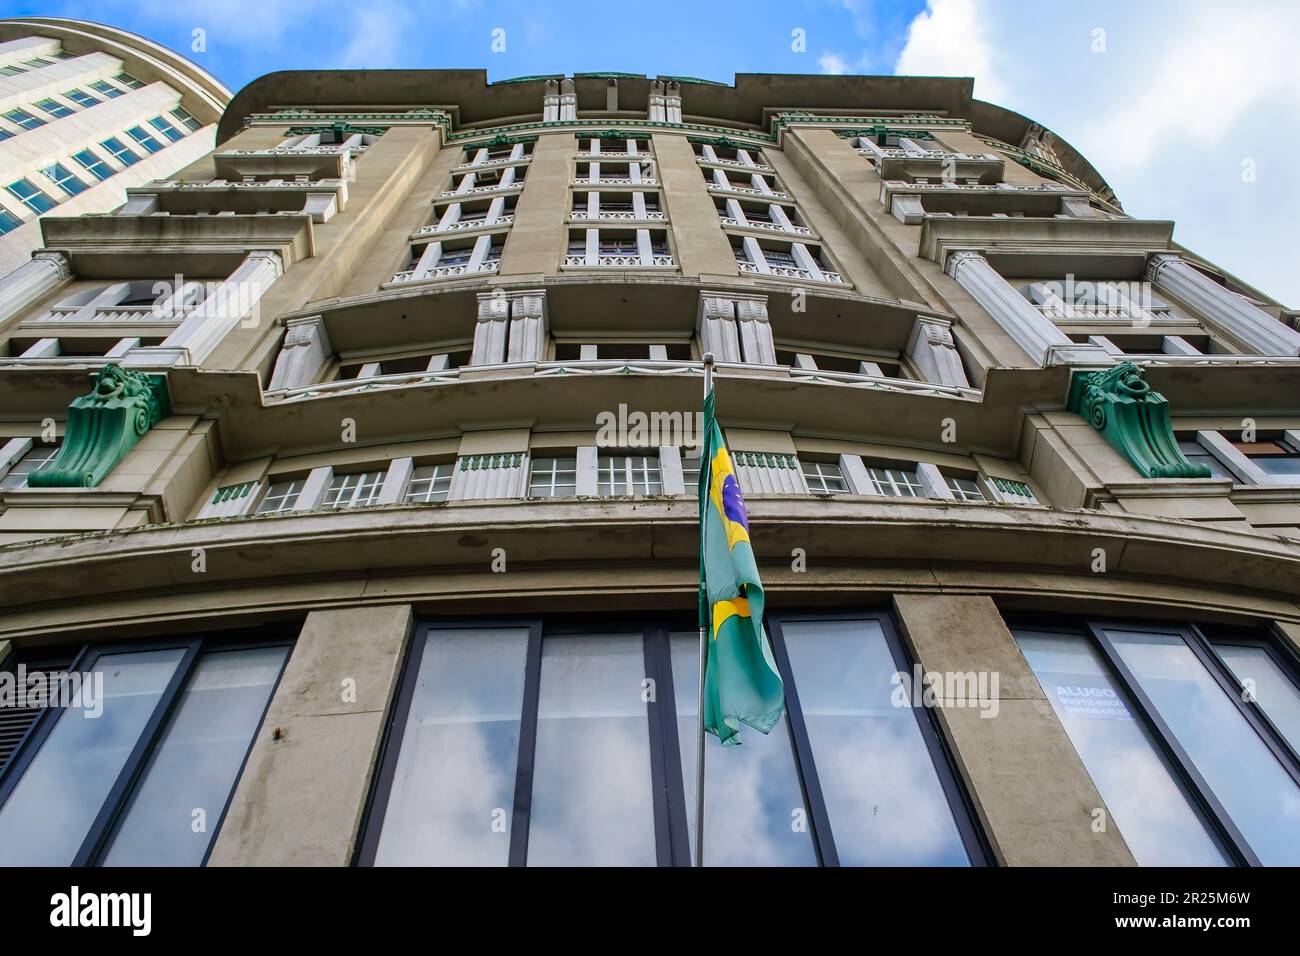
1208, 803
527, 749
675, 783
661, 715
390, 749
1250, 710
144, 745
959, 802
819, 819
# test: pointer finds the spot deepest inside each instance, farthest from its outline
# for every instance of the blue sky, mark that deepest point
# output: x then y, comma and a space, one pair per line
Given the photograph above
1189, 108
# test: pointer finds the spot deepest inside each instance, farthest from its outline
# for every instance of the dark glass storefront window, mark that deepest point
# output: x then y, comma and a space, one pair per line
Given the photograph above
554, 743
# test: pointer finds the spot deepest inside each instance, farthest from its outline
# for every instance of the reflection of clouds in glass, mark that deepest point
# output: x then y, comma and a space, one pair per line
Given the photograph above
459, 752
1252, 785
1151, 809
883, 795
1273, 691
197, 760
591, 785
752, 790
51, 809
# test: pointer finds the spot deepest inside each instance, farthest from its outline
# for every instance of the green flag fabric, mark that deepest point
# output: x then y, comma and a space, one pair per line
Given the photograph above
741, 683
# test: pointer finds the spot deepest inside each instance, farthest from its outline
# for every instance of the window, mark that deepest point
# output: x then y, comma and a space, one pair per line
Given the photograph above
81, 98
166, 128
62, 177
965, 489
897, 482
93, 164
356, 490
545, 727
8, 221
145, 139
5, 134
1198, 454
39, 62
628, 475
430, 483
25, 191
553, 477
824, 478
106, 88
182, 715
35, 457
55, 108
691, 470
11, 70
624, 246
281, 496
1232, 763
120, 151
129, 81
24, 119
1276, 459
186, 120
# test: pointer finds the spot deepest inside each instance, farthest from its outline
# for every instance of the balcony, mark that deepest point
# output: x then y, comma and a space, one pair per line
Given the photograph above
615, 181
617, 216
320, 199
643, 156
629, 261
792, 230
511, 187
463, 225
734, 164
492, 164
790, 272
911, 163
446, 272
314, 162
910, 202
747, 191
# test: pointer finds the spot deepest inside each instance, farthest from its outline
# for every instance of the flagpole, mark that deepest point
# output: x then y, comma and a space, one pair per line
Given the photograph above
704, 662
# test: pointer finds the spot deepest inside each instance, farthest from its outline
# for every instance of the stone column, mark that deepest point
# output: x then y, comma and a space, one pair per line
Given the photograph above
756, 345
1221, 310
231, 302
1030, 329
301, 796
934, 353
491, 330
1032, 793
305, 351
42, 274
527, 327
716, 326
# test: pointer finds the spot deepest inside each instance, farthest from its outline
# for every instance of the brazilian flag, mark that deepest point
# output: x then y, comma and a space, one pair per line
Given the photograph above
741, 683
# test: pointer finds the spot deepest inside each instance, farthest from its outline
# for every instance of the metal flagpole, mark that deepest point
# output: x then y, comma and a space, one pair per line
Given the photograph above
704, 661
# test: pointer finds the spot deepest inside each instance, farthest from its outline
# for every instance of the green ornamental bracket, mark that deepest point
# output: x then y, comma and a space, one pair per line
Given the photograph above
1135, 420
103, 426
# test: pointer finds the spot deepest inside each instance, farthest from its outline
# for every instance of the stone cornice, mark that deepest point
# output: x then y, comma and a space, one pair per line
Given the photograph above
451, 539
942, 235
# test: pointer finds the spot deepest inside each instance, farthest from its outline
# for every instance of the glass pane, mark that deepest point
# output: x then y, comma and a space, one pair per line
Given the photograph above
46, 818
1260, 796
1275, 694
1151, 808
754, 812
885, 802
194, 767
453, 790
591, 781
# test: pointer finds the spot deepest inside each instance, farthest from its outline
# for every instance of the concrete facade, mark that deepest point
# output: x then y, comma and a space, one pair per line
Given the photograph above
873, 250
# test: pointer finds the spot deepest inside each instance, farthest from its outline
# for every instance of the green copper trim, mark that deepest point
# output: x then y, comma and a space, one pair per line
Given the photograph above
692, 79
103, 426
529, 79
609, 76
501, 140
340, 128
1133, 419
870, 131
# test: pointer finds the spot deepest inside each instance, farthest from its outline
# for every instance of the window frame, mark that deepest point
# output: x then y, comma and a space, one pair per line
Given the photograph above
98, 838
669, 808
1194, 636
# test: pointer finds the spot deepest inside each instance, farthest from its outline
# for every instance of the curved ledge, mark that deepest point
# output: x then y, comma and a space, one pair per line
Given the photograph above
592, 536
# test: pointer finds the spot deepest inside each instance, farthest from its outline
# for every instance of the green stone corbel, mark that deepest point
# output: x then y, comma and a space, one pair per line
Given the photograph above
103, 426
1133, 419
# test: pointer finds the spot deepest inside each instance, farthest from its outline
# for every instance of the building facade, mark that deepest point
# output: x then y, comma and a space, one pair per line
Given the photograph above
88, 112
357, 462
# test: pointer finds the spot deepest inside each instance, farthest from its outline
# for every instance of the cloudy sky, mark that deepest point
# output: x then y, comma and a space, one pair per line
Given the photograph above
1189, 108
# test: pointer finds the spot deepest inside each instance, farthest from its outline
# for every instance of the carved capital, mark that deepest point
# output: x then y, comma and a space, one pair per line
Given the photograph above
1135, 420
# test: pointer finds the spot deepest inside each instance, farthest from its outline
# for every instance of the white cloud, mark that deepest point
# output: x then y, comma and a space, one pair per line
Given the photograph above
1166, 108
832, 63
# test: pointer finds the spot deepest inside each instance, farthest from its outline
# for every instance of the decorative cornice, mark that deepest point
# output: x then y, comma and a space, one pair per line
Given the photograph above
869, 131
342, 128
1135, 420
301, 116
103, 426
